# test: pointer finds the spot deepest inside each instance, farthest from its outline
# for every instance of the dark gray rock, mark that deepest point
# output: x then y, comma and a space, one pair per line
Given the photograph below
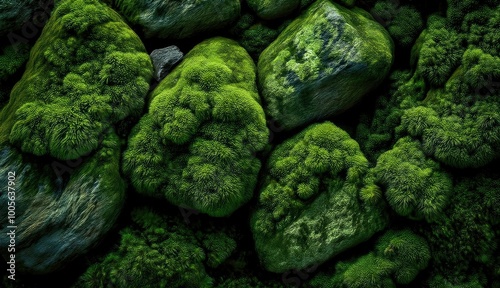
174, 19
164, 60
57, 221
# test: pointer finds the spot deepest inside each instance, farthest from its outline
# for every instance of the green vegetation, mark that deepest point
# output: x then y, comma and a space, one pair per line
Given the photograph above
414, 185
12, 60
398, 258
309, 208
322, 64
404, 23
87, 71
465, 241
174, 255
196, 145
459, 125
271, 9
440, 53
251, 164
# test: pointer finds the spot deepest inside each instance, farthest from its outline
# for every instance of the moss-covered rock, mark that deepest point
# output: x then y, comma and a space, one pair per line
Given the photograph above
87, 71
272, 9
175, 19
323, 63
196, 145
309, 207
61, 209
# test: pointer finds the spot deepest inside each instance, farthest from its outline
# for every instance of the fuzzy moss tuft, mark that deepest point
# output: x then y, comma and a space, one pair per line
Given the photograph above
87, 71
196, 145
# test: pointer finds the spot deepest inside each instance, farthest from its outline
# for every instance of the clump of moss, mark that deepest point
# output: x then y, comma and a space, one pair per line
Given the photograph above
87, 71
196, 146
414, 185
172, 255
398, 258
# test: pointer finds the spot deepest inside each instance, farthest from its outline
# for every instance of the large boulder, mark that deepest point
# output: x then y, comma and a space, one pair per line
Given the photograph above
196, 145
174, 19
62, 209
311, 206
323, 63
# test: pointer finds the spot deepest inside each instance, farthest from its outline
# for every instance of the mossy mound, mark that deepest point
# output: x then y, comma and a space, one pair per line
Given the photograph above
196, 146
309, 207
87, 71
323, 63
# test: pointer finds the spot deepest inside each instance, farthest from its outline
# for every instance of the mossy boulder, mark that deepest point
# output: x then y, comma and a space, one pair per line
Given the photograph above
175, 19
323, 63
272, 9
196, 146
62, 208
87, 71
310, 208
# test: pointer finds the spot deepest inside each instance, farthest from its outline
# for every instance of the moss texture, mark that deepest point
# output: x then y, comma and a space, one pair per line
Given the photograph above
309, 206
87, 71
196, 145
322, 64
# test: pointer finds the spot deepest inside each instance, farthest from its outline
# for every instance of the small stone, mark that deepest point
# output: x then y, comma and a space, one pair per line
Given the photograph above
164, 60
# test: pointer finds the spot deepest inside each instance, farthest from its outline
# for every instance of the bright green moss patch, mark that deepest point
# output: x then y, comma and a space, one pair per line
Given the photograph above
322, 64
414, 185
309, 207
460, 124
87, 71
196, 145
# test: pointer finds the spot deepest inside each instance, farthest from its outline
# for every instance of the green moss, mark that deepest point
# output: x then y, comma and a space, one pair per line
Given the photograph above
256, 38
12, 59
87, 71
309, 208
414, 185
196, 145
398, 258
458, 125
406, 26
322, 63
439, 55
172, 255
465, 241
272, 9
